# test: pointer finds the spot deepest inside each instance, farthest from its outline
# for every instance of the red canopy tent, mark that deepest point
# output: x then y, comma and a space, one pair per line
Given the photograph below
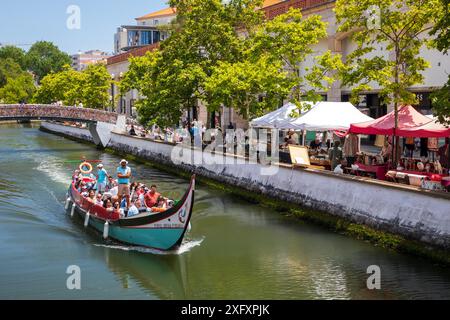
408, 117
429, 130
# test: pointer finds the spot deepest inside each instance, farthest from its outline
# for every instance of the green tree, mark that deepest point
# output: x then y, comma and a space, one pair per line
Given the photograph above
441, 98
44, 58
442, 28
289, 39
89, 87
250, 87
9, 69
65, 86
14, 53
95, 83
18, 90
400, 27
206, 32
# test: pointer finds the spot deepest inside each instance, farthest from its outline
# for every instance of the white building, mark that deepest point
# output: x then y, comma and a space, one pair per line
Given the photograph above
82, 60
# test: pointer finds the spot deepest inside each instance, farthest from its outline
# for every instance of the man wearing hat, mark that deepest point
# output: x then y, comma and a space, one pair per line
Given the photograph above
101, 178
124, 175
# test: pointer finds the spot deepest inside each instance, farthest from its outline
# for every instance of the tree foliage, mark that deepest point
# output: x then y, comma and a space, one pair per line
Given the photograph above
9, 69
89, 87
227, 54
16, 54
441, 29
44, 58
19, 89
400, 28
441, 98
250, 87
288, 41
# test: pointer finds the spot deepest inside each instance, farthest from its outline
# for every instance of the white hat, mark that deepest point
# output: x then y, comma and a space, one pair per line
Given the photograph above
100, 165
124, 161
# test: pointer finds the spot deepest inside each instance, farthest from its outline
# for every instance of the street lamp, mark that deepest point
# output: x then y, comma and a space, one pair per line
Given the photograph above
112, 92
121, 97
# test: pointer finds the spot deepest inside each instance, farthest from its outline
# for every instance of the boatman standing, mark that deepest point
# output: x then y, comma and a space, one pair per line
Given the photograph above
124, 176
101, 179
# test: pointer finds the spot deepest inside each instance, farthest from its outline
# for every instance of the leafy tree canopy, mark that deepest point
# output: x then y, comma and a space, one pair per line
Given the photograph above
9, 69
400, 28
441, 98
44, 58
227, 54
89, 87
18, 90
14, 53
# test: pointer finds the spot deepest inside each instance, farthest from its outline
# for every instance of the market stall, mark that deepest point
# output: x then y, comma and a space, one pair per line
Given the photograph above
329, 116
408, 118
424, 172
276, 119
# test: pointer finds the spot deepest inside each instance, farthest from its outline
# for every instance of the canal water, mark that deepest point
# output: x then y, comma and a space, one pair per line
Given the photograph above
236, 250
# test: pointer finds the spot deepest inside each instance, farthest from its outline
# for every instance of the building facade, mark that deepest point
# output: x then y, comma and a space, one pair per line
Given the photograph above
82, 60
147, 31
339, 43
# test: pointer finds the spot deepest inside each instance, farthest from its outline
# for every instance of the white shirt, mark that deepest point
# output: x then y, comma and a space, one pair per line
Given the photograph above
114, 191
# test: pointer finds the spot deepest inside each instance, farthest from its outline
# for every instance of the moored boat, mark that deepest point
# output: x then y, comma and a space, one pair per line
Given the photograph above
162, 231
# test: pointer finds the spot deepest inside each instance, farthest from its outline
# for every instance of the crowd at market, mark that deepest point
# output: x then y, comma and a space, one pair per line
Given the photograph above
119, 195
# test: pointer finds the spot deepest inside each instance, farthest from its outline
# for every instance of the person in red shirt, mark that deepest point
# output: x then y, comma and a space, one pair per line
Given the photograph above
151, 197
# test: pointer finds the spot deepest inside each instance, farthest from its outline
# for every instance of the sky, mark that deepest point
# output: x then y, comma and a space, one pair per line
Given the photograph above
23, 22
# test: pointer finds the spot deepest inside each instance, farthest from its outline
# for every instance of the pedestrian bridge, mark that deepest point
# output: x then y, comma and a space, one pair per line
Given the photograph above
52, 112
101, 123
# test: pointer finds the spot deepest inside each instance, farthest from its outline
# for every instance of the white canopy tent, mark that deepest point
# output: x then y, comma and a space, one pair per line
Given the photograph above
329, 116
276, 119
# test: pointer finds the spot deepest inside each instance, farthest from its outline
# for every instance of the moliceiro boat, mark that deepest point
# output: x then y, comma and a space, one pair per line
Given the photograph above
162, 231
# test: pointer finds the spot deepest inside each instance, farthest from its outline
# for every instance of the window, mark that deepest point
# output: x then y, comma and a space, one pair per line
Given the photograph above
156, 36
133, 38
146, 37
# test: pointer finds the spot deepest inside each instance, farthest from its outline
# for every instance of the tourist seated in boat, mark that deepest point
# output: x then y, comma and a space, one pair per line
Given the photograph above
112, 183
141, 193
80, 184
151, 197
108, 205
91, 197
161, 206
99, 199
84, 191
118, 209
133, 187
76, 176
162, 203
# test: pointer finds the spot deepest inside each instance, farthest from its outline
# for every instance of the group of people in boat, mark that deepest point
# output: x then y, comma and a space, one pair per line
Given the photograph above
118, 195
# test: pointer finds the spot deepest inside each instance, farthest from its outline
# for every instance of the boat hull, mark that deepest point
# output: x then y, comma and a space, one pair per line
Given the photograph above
162, 231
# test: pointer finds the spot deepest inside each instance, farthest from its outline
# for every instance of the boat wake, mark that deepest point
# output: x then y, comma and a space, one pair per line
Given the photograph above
185, 247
